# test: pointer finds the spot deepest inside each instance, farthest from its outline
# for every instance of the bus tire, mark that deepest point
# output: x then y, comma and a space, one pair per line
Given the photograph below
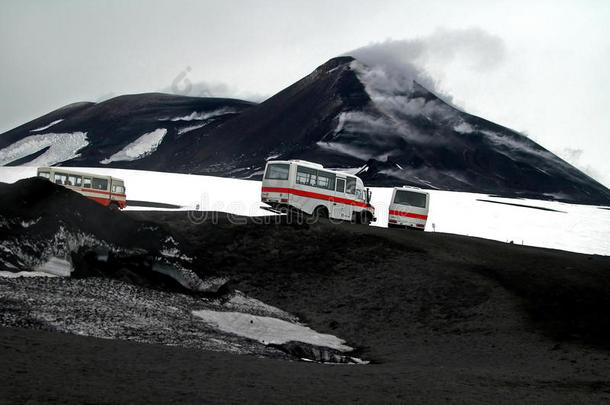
320, 212
113, 206
366, 218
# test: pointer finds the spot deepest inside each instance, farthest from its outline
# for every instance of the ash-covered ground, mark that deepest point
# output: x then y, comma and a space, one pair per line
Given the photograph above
439, 317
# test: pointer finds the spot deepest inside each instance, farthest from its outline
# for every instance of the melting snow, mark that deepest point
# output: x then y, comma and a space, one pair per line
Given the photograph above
141, 147
268, 330
62, 147
47, 126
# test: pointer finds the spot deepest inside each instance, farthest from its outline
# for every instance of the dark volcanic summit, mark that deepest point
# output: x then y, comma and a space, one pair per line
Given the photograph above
389, 129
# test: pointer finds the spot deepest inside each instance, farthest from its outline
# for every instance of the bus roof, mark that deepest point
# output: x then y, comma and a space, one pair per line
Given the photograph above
412, 188
311, 164
303, 162
68, 171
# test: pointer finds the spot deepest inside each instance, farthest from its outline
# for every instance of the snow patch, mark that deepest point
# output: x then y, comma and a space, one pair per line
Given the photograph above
345, 149
190, 128
10, 274
463, 128
47, 126
56, 266
239, 302
140, 148
27, 224
201, 116
348, 170
271, 157
268, 330
62, 147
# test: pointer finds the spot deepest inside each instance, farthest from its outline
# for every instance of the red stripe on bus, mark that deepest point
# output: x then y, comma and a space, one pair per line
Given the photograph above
309, 194
90, 190
408, 214
106, 201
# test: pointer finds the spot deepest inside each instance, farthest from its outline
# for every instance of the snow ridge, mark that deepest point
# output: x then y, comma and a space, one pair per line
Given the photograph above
47, 126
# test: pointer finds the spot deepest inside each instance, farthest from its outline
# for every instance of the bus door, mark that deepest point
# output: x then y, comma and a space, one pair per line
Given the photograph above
350, 194
338, 209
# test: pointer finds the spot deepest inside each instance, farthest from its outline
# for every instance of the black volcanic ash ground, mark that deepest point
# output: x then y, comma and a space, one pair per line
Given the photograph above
441, 317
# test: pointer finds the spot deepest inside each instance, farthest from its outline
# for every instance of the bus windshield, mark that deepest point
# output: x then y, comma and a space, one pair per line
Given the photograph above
411, 198
277, 171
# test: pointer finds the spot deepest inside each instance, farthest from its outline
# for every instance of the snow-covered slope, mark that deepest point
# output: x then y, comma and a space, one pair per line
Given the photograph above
571, 227
53, 148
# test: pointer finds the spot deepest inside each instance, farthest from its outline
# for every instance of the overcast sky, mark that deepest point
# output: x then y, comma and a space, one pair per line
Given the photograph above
540, 67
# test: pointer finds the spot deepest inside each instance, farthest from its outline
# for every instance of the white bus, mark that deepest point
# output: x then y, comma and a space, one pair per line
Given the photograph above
316, 191
106, 190
408, 208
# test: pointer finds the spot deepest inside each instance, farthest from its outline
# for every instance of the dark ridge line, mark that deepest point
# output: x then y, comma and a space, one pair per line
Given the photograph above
151, 204
521, 205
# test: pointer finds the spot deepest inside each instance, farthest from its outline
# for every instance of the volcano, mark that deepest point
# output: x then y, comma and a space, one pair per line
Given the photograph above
392, 132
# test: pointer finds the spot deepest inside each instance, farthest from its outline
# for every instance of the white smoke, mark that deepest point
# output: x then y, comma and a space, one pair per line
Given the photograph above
390, 69
397, 63
574, 156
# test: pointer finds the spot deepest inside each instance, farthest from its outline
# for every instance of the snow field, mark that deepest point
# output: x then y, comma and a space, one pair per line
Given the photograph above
571, 227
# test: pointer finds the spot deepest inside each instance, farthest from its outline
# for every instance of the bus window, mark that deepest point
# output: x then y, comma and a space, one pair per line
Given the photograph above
350, 186
61, 178
277, 171
99, 184
87, 182
341, 185
118, 189
326, 180
359, 194
404, 197
46, 175
306, 176
74, 180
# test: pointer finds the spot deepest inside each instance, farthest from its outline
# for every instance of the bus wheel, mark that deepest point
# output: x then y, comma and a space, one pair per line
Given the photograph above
113, 206
320, 212
366, 218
